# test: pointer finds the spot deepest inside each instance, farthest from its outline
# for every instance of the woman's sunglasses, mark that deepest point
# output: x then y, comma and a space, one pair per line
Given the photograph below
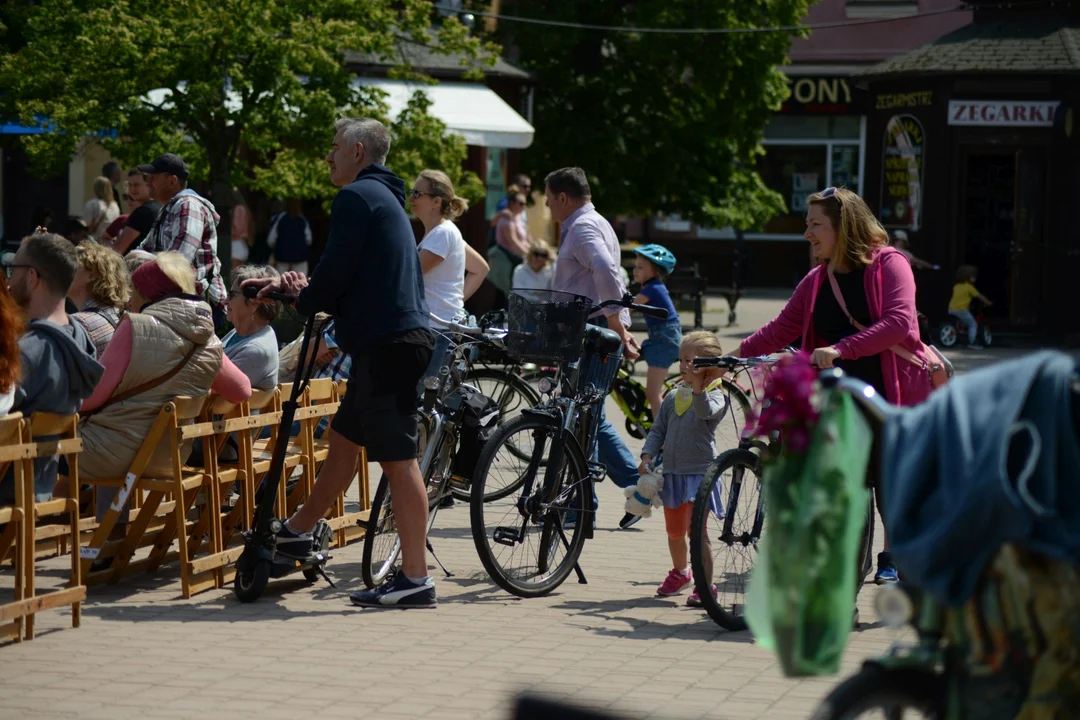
540, 255
417, 193
830, 192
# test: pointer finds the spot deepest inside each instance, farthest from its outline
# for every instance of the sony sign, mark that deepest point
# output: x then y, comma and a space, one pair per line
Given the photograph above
1003, 113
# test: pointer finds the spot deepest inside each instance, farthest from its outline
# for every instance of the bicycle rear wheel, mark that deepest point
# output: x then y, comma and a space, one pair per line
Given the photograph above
382, 544
511, 393
723, 550
529, 541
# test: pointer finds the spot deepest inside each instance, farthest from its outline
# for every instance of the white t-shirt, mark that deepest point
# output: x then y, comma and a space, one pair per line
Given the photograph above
444, 285
525, 278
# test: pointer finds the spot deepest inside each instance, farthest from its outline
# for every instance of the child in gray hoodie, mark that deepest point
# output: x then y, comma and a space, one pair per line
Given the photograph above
685, 429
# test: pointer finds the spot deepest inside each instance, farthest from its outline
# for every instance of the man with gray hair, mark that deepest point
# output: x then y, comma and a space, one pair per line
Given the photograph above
369, 278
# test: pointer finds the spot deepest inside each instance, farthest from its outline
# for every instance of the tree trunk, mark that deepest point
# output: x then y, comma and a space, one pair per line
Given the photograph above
223, 203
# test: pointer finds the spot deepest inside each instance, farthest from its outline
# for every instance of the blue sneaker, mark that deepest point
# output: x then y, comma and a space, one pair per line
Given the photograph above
398, 592
886, 575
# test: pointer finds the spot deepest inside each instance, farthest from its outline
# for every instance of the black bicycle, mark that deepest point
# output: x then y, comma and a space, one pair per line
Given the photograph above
530, 540
446, 401
723, 546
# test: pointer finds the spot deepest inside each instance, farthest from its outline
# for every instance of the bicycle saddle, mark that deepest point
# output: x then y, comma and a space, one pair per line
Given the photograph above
601, 340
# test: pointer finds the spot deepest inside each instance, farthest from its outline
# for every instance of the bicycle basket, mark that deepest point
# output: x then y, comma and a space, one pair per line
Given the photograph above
546, 325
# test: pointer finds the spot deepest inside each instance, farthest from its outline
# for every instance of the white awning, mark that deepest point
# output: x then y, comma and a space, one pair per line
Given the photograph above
471, 110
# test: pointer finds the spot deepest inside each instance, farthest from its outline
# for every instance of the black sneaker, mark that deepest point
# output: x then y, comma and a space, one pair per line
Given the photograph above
629, 520
398, 592
293, 544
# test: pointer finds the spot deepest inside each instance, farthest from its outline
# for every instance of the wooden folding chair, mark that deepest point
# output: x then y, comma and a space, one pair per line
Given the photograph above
320, 401
62, 432
162, 517
345, 524
13, 447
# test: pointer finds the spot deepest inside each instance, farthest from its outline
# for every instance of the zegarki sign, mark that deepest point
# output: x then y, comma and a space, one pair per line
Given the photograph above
1003, 113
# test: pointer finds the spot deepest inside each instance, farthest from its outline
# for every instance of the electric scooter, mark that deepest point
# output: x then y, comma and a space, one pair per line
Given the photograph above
259, 562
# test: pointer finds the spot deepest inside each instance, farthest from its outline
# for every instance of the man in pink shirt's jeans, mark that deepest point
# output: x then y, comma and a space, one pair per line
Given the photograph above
588, 264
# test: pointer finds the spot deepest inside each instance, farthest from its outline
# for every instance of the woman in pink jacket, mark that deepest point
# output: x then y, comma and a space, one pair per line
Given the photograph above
878, 288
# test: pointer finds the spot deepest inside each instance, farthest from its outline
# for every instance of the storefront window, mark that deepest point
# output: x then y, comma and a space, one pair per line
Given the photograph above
804, 155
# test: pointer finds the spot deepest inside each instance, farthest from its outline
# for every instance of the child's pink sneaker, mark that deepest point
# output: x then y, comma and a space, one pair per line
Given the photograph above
695, 600
675, 582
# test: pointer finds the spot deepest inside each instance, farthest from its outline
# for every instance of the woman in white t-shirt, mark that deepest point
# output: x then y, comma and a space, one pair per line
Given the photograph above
452, 269
100, 210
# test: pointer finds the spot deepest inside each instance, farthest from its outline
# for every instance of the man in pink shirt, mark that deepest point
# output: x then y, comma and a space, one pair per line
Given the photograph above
588, 264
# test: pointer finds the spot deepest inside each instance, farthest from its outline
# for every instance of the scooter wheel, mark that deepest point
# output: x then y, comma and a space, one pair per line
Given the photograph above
311, 574
249, 586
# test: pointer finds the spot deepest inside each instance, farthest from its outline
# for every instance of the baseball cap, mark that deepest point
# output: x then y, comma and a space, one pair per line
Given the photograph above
167, 163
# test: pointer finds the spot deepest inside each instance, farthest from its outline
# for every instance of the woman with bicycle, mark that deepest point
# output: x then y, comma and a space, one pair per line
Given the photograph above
452, 269
859, 282
685, 429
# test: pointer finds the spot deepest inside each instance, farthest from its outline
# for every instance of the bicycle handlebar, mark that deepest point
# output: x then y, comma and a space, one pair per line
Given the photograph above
730, 362
496, 333
627, 301
251, 292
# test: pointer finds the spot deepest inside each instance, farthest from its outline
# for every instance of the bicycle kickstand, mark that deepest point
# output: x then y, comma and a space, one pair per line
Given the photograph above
580, 574
443, 567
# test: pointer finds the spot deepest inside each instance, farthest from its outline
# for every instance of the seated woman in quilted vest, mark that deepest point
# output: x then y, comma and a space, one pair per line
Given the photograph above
164, 349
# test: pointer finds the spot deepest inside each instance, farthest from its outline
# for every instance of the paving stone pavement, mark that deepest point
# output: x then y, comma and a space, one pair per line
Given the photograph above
303, 651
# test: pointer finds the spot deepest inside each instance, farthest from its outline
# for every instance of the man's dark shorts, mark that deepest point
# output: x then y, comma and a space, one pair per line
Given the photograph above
380, 407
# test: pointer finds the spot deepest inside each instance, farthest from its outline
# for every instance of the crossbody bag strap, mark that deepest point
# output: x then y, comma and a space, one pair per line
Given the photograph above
898, 349
148, 385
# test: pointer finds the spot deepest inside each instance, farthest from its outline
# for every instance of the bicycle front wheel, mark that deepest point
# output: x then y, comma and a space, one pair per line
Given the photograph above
529, 540
723, 549
885, 693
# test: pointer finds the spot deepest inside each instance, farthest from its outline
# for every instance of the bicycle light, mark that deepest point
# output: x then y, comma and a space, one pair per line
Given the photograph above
546, 385
431, 388
893, 606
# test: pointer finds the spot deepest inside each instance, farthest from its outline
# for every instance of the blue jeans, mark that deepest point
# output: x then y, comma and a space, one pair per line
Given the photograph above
609, 449
969, 320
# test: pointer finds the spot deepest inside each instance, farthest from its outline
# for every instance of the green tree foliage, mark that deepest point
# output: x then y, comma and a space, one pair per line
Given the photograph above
245, 90
660, 122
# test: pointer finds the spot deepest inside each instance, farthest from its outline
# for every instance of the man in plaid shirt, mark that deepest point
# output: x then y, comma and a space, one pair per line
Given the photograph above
188, 225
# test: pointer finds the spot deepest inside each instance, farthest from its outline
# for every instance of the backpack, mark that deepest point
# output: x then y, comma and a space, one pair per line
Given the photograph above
478, 420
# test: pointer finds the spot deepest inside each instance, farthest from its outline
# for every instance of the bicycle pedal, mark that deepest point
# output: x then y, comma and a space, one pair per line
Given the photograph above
597, 471
508, 536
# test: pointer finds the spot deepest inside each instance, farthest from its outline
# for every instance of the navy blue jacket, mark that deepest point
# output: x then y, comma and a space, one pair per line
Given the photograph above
992, 458
369, 276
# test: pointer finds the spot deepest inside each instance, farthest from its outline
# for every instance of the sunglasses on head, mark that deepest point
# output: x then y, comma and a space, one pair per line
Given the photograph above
831, 192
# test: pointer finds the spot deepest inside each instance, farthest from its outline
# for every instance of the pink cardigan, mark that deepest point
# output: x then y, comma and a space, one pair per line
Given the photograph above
890, 293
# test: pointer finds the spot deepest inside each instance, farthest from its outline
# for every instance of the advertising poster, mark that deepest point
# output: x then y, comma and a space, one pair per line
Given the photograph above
902, 173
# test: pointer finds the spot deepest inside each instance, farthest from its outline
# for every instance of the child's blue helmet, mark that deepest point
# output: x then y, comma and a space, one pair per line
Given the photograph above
658, 254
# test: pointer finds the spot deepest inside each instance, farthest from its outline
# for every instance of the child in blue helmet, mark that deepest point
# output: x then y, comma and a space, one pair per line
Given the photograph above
661, 350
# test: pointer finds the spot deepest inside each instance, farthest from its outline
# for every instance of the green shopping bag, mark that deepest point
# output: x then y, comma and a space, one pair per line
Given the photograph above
802, 590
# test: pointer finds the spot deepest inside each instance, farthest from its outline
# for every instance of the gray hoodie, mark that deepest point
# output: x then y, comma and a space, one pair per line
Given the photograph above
60, 369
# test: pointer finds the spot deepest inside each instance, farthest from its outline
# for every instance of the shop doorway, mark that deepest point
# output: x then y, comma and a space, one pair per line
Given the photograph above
1002, 227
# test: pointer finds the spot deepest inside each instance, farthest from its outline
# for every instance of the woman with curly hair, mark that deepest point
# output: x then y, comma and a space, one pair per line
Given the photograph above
101, 291
11, 329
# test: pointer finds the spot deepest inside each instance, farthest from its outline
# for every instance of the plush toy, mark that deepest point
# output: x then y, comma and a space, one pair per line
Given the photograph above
643, 497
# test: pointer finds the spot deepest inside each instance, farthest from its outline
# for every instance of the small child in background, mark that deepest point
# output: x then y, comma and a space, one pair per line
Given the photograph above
960, 306
685, 429
537, 272
660, 351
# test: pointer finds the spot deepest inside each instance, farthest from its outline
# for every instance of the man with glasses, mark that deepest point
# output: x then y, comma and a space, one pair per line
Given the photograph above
188, 225
59, 367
